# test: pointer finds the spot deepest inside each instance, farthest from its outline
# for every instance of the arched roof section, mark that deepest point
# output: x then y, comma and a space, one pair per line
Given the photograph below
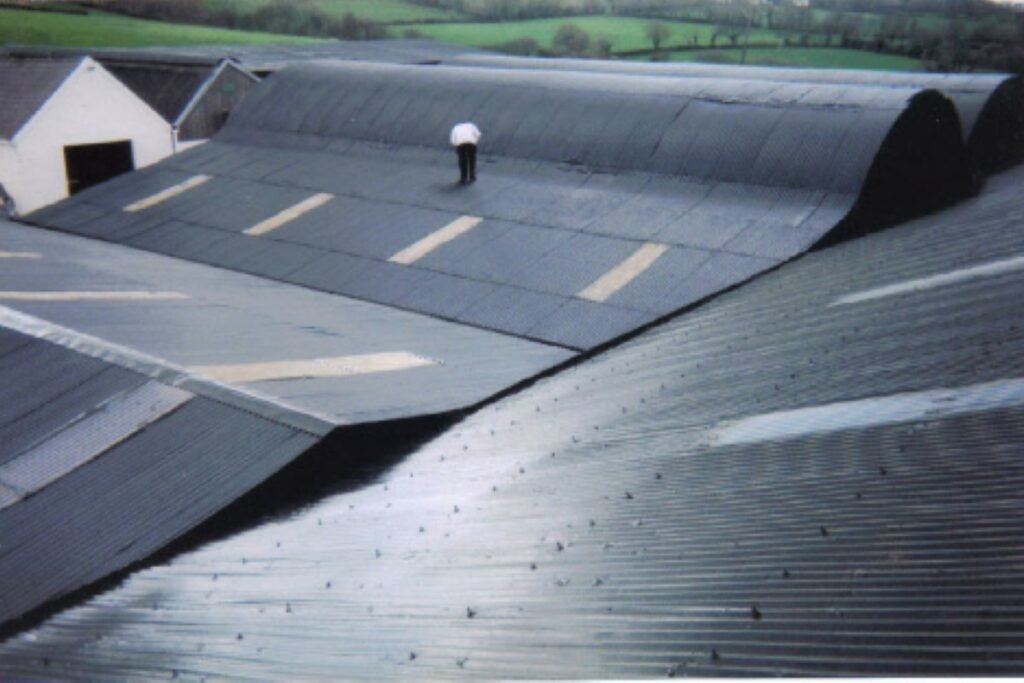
990, 105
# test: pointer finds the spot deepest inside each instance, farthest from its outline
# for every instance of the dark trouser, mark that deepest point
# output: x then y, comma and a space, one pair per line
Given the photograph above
467, 161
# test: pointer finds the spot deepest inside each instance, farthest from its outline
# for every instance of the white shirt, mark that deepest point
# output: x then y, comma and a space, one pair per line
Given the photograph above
465, 133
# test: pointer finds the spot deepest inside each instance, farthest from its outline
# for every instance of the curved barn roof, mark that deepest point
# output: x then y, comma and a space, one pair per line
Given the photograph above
989, 105
670, 189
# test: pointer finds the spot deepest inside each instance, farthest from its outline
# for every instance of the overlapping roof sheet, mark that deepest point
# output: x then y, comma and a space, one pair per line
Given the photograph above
27, 84
168, 88
702, 182
816, 474
101, 465
604, 204
230, 377
989, 105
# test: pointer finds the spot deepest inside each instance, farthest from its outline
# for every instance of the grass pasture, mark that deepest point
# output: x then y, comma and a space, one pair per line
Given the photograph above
98, 29
384, 11
624, 33
819, 57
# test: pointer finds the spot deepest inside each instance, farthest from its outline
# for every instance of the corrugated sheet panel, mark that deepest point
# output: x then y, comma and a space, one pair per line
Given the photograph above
755, 170
733, 493
167, 88
139, 495
988, 104
222, 318
29, 83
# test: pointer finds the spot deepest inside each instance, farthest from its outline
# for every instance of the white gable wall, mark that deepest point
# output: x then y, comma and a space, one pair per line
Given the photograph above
91, 106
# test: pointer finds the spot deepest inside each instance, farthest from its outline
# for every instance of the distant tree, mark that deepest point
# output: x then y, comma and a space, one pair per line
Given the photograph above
603, 47
734, 33
657, 32
570, 39
352, 27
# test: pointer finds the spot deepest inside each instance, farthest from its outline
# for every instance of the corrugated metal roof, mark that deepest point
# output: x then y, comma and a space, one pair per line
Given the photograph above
578, 169
102, 462
273, 57
778, 483
27, 84
115, 411
217, 320
989, 104
168, 88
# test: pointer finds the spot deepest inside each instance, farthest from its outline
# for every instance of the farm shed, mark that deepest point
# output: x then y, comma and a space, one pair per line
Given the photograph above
195, 96
68, 124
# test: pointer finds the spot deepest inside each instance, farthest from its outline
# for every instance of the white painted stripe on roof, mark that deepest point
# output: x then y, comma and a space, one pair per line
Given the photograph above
416, 251
871, 412
624, 273
164, 195
270, 407
20, 254
338, 366
931, 282
289, 214
92, 296
91, 435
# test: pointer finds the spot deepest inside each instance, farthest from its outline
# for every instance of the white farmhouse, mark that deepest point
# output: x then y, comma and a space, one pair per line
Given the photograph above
67, 124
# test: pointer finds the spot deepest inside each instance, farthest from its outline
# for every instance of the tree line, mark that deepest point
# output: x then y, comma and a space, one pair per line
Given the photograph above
294, 17
949, 35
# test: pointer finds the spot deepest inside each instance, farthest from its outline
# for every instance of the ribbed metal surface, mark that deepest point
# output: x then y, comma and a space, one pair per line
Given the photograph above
595, 525
263, 58
231, 318
101, 426
985, 102
159, 469
577, 169
34, 80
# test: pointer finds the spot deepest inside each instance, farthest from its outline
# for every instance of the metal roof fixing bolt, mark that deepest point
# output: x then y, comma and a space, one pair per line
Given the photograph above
823, 530
412, 656
671, 673
629, 496
714, 655
470, 613
785, 573
755, 613
461, 661
376, 552
558, 546
455, 509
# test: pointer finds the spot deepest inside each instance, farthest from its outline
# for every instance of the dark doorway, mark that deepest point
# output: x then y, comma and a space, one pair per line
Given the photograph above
88, 165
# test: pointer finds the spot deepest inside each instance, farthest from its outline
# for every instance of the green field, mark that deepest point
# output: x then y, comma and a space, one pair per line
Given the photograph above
373, 10
625, 34
824, 58
96, 29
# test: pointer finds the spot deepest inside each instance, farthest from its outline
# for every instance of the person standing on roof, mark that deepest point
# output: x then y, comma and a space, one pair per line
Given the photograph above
464, 138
